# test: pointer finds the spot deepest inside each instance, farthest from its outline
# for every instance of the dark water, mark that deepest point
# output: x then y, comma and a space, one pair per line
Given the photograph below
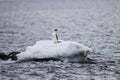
94, 23
107, 68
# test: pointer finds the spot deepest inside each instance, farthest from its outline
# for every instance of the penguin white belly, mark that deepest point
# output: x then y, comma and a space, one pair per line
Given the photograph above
54, 37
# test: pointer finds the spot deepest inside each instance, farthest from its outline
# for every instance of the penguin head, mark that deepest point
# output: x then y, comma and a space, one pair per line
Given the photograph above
55, 30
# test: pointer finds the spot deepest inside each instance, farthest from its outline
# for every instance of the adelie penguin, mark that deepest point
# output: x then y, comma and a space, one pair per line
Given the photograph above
55, 36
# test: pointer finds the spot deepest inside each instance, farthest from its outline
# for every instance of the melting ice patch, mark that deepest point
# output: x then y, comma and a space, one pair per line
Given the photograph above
64, 50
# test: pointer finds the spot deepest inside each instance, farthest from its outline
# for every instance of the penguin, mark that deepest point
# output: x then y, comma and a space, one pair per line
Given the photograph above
55, 36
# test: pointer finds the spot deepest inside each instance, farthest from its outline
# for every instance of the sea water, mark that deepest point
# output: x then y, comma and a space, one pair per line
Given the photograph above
95, 24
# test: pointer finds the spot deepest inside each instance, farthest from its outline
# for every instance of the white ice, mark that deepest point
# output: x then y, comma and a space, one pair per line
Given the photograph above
65, 50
